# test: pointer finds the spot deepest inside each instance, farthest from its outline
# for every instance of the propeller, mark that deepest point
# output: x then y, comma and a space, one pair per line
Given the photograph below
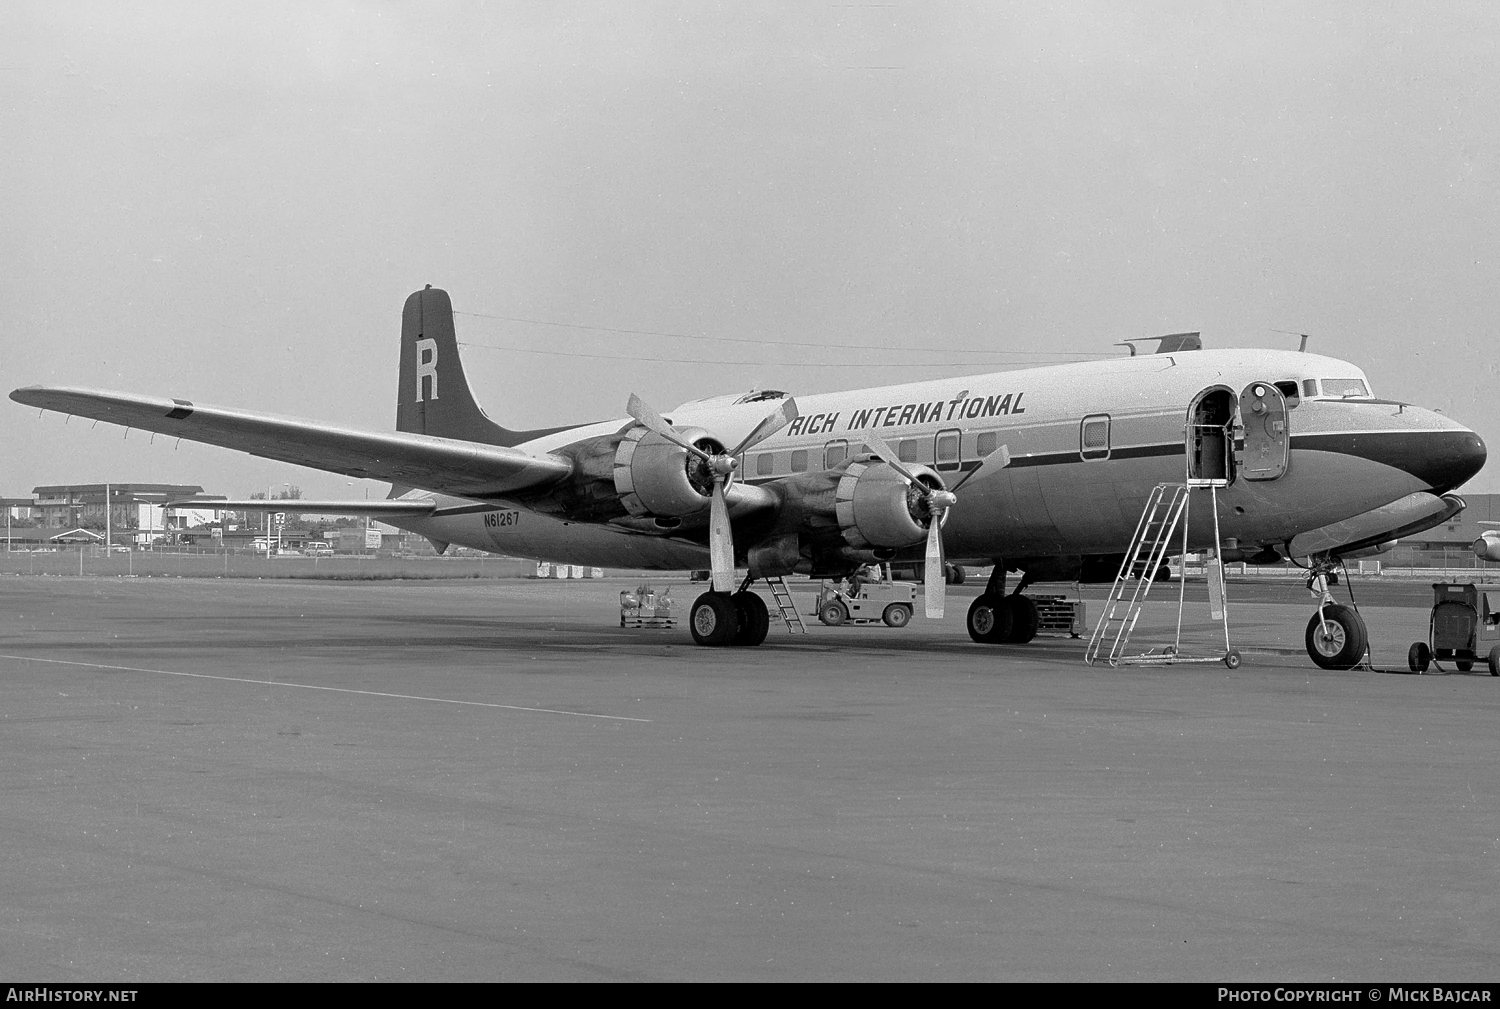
936, 503
721, 467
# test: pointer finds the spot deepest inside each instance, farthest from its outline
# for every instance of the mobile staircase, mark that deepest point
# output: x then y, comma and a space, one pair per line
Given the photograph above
1167, 508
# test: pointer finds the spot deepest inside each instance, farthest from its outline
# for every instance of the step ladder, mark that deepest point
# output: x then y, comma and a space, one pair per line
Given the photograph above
1147, 552
784, 603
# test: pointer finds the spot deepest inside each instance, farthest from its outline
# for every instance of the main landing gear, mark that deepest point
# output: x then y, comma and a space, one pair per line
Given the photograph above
1336, 635
996, 618
722, 618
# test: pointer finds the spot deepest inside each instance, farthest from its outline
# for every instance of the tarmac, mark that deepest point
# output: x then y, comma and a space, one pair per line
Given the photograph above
240, 780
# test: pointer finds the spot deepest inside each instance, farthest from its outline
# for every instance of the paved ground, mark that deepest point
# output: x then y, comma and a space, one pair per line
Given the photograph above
493, 781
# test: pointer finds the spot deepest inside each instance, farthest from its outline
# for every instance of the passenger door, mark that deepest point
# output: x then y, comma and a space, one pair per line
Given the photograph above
1263, 413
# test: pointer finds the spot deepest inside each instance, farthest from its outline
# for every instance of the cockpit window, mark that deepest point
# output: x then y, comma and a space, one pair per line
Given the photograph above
1310, 388
1288, 390
1343, 388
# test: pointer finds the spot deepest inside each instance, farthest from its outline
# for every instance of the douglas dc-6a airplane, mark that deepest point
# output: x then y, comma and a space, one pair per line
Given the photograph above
1043, 471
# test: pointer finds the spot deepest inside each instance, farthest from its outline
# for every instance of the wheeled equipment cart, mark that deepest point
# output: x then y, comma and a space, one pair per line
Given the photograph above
1465, 625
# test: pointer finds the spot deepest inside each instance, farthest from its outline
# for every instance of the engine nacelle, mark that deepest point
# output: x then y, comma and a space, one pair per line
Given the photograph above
1487, 546
876, 507
653, 476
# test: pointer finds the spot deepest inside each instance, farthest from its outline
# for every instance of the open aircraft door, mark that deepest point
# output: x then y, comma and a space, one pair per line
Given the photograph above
1210, 434
1263, 413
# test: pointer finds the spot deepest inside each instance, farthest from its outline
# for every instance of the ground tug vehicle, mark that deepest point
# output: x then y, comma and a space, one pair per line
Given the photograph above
890, 602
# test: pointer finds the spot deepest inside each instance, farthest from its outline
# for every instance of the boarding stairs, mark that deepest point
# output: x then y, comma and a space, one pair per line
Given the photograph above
788, 608
1147, 550
1167, 509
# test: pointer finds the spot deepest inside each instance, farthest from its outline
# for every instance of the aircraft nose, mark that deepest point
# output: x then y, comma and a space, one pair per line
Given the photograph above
1451, 459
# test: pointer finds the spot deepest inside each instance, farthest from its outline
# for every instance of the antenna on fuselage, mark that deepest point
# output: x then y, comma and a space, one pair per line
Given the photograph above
1169, 344
1302, 347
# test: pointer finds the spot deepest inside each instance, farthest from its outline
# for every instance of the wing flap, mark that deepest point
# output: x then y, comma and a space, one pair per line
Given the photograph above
464, 468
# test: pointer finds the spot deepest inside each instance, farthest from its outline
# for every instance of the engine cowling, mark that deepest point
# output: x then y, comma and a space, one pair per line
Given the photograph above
876, 506
1487, 546
655, 477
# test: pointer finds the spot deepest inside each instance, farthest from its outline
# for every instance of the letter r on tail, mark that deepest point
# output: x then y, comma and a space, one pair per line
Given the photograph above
427, 368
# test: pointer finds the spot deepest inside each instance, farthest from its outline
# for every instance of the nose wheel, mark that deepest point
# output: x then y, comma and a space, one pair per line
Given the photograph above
1336, 637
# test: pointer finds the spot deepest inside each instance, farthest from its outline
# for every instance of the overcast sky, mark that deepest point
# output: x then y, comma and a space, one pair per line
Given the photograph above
229, 202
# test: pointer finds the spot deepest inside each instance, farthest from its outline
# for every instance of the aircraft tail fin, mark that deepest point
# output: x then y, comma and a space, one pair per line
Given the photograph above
433, 396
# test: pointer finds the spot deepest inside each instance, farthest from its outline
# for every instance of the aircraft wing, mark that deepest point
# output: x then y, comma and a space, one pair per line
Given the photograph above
468, 469
1410, 515
302, 507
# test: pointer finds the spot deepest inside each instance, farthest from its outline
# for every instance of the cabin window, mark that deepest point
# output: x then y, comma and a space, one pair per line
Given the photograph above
1343, 388
1310, 387
799, 461
834, 453
947, 450
1094, 437
764, 464
986, 443
906, 451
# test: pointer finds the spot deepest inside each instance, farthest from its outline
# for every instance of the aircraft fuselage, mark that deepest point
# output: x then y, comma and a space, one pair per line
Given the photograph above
1087, 443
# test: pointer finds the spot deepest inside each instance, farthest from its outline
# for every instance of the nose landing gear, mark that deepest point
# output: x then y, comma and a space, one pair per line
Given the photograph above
1336, 635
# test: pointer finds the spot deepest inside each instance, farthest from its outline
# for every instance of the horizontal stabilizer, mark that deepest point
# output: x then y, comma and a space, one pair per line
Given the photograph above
301, 507
447, 465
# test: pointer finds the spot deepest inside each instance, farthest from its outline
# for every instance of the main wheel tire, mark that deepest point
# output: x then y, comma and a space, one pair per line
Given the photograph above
1023, 619
755, 619
1495, 661
1418, 657
989, 619
955, 574
833, 613
714, 619
1339, 640
896, 615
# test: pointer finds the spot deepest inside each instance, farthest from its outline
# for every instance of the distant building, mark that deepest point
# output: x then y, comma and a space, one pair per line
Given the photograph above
135, 509
18, 507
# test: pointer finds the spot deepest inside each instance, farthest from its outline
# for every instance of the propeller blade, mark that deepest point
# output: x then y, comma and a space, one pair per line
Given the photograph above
654, 422
887, 454
996, 461
936, 588
720, 541
774, 421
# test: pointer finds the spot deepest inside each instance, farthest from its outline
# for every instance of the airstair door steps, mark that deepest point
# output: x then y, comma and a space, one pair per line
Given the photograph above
788, 608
